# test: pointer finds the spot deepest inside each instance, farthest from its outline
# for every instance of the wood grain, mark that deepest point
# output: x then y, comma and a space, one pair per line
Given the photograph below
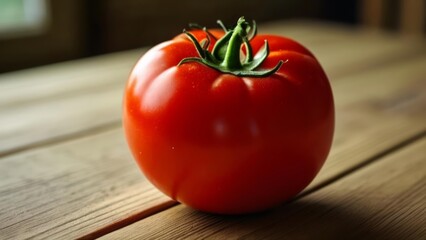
382, 201
45, 103
63, 79
374, 111
88, 184
75, 188
70, 189
335, 44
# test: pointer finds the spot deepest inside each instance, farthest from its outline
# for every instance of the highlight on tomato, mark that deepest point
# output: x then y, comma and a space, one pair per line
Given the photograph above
227, 120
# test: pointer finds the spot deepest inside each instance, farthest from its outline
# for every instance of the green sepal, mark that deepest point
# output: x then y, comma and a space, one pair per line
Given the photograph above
197, 45
259, 58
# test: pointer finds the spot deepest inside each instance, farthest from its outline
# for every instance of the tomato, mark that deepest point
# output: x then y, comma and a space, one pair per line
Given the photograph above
222, 131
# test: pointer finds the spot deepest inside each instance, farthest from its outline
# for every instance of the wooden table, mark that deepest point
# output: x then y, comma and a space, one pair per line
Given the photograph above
66, 172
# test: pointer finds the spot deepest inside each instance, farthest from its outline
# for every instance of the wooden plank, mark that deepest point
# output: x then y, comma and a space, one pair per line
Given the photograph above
65, 79
92, 183
54, 120
52, 103
60, 105
371, 107
70, 189
382, 201
333, 43
368, 51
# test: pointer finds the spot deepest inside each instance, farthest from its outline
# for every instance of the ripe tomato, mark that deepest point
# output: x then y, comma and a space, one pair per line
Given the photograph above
222, 131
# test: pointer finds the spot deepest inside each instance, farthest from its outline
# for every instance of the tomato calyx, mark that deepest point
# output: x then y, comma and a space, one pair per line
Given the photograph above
227, 52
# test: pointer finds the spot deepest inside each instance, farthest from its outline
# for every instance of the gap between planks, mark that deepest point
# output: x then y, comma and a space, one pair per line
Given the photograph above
129, 220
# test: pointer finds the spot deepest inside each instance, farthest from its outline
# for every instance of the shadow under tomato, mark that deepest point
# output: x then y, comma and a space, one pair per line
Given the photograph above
301, 219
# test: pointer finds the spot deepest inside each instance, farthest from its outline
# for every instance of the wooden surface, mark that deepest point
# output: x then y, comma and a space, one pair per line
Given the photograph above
66, 172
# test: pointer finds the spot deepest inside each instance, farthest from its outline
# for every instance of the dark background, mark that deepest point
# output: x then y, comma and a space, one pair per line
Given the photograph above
80, 28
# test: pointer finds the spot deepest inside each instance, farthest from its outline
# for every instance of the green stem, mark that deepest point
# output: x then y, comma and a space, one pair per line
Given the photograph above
232, 57
226, 53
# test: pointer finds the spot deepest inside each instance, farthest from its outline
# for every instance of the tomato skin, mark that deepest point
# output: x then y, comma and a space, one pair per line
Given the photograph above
226, 144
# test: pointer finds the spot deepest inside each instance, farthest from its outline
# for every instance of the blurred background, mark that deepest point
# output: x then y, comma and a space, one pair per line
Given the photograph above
38, 32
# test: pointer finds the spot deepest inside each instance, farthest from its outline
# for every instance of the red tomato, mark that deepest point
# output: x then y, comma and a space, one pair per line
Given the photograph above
221, 136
